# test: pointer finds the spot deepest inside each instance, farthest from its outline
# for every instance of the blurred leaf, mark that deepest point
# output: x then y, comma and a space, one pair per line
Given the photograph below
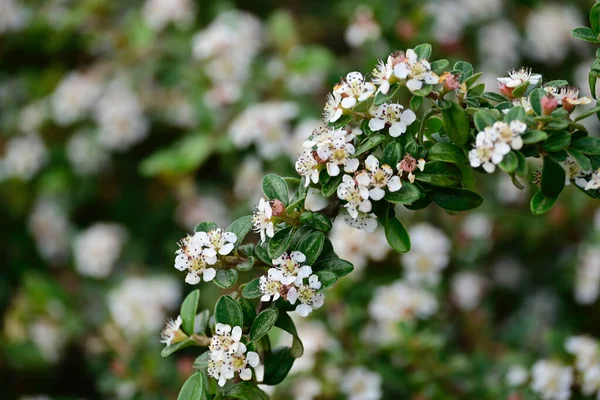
185, 156
509, 163
558, 140
246, 265
580, 159
206, 226
172, 348
587, 145
531, 137
535, 99
240, 227
287, 324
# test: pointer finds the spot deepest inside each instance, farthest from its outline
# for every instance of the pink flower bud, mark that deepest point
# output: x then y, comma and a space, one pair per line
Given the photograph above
451, 82
277, 207
549, 104
506, 91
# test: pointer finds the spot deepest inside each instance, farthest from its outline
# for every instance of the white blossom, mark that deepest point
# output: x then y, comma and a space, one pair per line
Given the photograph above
262, 220
159, 13
361, 384
222, 242
519, 77
308, 167
516, 375
49, 226
354, 89
355, 195
85, 154
594, 182
362, 221
74, 97
587, 277
289, 268
392, 115
171, 331
270, 288
488, 150
551, 380
400, 302
467, 290
195, 255
333, 107
363, 29
585, 349
378, 178
338, 152
415, 71
24, 156
13, 16
429, 255
306, 295
97, 249
49, 338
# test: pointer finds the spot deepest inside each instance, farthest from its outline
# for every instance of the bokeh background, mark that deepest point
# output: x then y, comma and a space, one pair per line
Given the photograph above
125, 123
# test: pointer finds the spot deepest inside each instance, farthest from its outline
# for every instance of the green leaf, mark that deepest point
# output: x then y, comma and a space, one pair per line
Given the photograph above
202, 360
509, 163
424, 91
188, 311
535, 99
396, 235
342, 121
531, 137
241, 227
260, 251
381, 98
392, 153
495, 97
369, 143
556, 83
456, 124
287, 324
595, 18
263, 323
316, 220
522, 168
363, 106
520, 90
483, 119
252, 289
205, 226
456, 199
558, 140
475, 90
327, 278
440, 66
448, 152
587, 145
439, 173
228, 311
193, 388
311, 246
540, 204
587, 113
280, 242
580, 159
185, 156
246, 391
336, 265
275, 187
553, 178
423, 51
416, 102
330, 187
407, 194
201, 322
465, 69
277, 365
246, 265
248, 310
172, 348
226, 278
515, 114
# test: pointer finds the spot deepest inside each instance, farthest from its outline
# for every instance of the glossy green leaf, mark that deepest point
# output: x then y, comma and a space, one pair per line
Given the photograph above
172, 348
587, 145
439, 173
448, 152
246, 391
531, 137
280, 242
241, 227
188, 311
392, 154
263, 323
274, 187
316, 220
535, 99
456, 124
371, 142
553, 178
540, 203
287, 324
558, 140
456, 199
277, 365
226, 278
397, 235
252, 289
228, 311
336, 265
580, 159
483, 119
509, 163
407, 194
193, 388
311, 246
206, 226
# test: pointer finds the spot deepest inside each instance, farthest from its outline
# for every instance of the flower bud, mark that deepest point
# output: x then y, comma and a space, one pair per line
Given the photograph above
549, 104
277, 207
451, 81
506, 91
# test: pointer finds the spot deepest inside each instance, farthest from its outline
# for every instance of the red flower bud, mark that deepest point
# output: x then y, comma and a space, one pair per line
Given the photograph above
549, 104
277, 207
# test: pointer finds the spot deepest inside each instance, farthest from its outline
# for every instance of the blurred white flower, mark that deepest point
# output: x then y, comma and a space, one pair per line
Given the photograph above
315, 201
159, 13
85, 153
49, 226
361, 384
194, 209
516, 375
120, 118
585, 349
587, 277
429, 255
138, 305
13, 16
467, 290
496, 43
97, 249
248, 179
23, 157
508, 193
74, 97
171, 331
399, 302
548, 32
477, 226
363, 28
49, 338
33, 115
306, 388
551, 380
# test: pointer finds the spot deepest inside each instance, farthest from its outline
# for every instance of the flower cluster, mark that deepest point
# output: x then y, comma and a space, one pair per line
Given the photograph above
228, 355
494, 142
551, 380
199, 251
294, 282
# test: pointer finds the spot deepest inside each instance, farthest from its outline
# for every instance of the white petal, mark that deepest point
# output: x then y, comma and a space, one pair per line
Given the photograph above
401, 70
208, 274
363, 178
337, 115
303, 310
226, 249
253, 359
298, 256
351, 165
408, 117
236, 333
376, 124
414, 84
397, 129
192, 278
489, 167
230, 237
365, 206
292, 295
394, 184
333, 169
517, 143
372, 163
376, 194
348, 102
246, 374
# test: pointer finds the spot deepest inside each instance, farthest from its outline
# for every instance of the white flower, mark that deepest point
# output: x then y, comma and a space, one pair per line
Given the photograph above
516, 375
97, 249
519, 77
393, 115
74, 97
262, 221
415, 71
159, 13
477, 226
315, 201
270, 288
355, 195
363, 29
585, 349
308, 167
307, 296
49, 226
551, 380
338, 152
378, 178
429, 255
120, 117
354, 89
587, 279
306, 388
575, 173
171, 330
248, 178
467, 290
13, 16
24, 157
85, 153
488, 151
362, 221
591, 381
195, 257
222, 242
382, 74
49, 338
361, 384
511, 134
400, 302
228, 355
289, 269
333, 107
594, 182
